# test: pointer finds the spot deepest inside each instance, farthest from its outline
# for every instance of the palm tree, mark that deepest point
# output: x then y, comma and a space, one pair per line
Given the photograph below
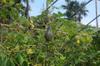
82, 12
72, 7
27, 8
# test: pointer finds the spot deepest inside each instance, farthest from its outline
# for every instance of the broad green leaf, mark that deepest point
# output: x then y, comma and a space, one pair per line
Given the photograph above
19, 59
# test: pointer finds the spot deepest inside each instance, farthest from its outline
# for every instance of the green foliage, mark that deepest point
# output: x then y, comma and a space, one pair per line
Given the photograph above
10, 10
24, 46
49, 1
22, 43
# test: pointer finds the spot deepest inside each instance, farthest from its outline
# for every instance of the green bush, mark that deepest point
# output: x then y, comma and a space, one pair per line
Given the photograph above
22, 46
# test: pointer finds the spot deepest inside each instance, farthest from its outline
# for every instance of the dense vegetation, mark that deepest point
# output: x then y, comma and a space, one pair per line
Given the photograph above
22, 41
